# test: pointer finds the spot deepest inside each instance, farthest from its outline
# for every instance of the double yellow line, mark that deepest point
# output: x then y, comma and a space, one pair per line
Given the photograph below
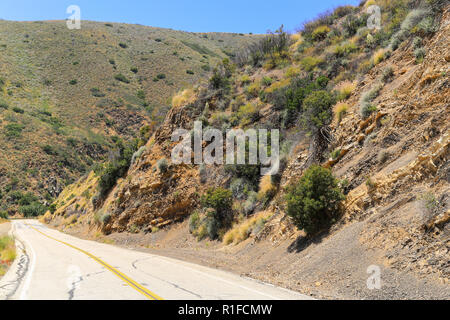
136, 286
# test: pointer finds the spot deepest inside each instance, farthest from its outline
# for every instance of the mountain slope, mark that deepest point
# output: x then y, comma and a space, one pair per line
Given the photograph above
66, 94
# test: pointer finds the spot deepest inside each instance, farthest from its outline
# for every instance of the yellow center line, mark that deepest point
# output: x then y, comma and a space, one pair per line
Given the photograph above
139, 288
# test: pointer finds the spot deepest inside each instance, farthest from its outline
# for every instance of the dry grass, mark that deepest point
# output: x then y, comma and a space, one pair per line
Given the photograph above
277, 85
244, 229
266, 186
297, 40
340, 110
46, 218
183, 98
378, 56
345, 89
7, 253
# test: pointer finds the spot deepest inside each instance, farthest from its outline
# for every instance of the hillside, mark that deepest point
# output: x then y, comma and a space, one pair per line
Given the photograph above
369, 106
67, 96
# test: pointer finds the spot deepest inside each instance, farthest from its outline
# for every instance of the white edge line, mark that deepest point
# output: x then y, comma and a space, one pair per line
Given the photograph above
26, 286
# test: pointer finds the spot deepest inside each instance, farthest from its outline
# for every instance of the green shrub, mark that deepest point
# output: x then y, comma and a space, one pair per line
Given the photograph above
221, 217
248, 113
194, 221
141, 94
123, 45
427, 26
117, 167
352, 23
13, 130
266, 81
219, 80
249, 205
409, 24
3, 214
18, 110
73, 82
219, 199
212, 225
309, 63
134, 70
420, 54
388, 74
52, 208
335, 154
345, 49
50, 150
33, 210
162, 165
190, 72
417, 42
240, 187
366, 109
313, 202
97, 93
120, 77
3, 105
317, 110
102, 217
138, 154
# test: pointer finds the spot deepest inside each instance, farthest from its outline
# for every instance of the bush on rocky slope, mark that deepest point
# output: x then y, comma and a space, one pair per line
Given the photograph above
313, 202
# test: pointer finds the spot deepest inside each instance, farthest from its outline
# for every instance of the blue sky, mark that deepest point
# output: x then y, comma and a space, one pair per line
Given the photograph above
244, 16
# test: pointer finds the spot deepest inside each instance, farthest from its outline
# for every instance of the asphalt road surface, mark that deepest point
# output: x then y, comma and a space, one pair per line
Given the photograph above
51, 265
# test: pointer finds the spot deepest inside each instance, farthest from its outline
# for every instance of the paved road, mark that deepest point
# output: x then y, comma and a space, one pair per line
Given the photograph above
55, 266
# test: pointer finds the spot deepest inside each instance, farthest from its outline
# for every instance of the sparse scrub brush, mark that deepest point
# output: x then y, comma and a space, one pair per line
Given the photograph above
411, 21
137, 155
388, 74
203, 173
120, 77
383, 156
420, 54
162, 165
417, 42
366, 108
240, 188
251, 202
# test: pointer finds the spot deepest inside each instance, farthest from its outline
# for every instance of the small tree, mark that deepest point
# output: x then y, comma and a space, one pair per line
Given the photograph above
313, 202
220, 200
317, 110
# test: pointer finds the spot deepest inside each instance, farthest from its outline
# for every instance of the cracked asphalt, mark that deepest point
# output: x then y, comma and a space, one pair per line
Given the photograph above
55, 266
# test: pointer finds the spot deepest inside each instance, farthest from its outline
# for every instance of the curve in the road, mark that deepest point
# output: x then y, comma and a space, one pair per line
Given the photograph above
142, 290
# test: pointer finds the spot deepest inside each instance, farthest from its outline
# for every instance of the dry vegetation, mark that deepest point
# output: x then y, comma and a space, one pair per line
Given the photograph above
7, 253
